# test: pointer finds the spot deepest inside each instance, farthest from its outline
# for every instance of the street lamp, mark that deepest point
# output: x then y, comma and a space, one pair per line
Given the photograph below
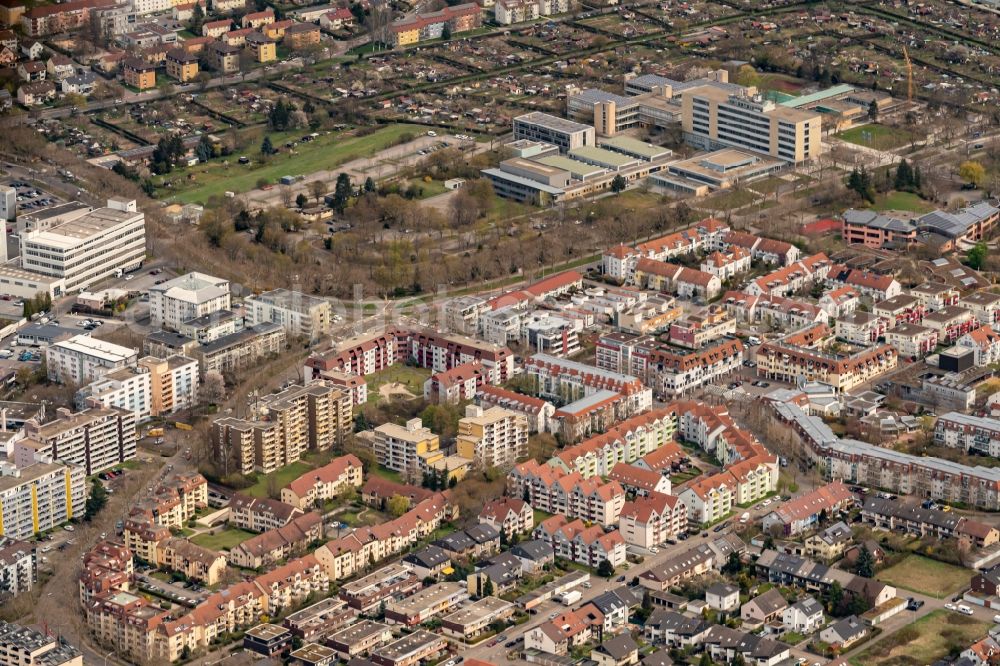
106, 657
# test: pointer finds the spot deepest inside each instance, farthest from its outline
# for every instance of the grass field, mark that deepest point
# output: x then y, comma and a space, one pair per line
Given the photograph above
930, 638
926, 576
728, 200
902, 201
883, 137
387, 474
410, 377
326, 152
282, 478
226, 539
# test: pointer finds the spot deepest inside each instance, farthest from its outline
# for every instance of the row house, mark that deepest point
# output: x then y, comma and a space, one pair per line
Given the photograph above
902, 309
951, 322
727, 264
985, 343
912, 340
553, 490
913, 519
880, 467
773, 310
791, 278
619, 262
692, 562
649, 520
935, 295
875, 286
278, 544
670, 628
840, 301
572, 540
767, 250
260, 514
508, 515
802, 513
626, 442
723, 644
860, 328
687, 283
348, 555
985, 305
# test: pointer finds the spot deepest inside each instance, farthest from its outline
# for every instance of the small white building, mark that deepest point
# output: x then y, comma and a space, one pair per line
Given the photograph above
83, 359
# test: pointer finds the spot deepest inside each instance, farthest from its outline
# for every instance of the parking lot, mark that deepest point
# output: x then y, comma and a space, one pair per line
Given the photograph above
30, 198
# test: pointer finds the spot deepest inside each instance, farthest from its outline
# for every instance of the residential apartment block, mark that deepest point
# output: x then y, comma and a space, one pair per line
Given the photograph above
649, 520
241, 350
39, 497
406, 449
553, 490
95, 439
972, 434
18, 568
187, 297
568, 381
572, 540
324, 483
432, 25
82, 359
21, 646
299, 314
153, 387
492, 438
626, 441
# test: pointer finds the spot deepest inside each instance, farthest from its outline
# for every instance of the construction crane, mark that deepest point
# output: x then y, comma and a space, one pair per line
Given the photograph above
909, 75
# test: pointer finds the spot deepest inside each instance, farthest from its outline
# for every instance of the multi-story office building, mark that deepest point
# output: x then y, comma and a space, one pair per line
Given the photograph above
21, 646
39, 497
100, 244
715, 118
299, 314
567, 135
291, 422
402, 448
17, 568
187, 297
83, 359
495, 437
95, 439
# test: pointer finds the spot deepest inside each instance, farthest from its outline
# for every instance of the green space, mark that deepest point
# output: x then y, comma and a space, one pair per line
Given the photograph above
540, 516
681, 477
272, 483
792, 637
930, 638
427, 188
904, 201
225, 539
926, 576
198, 183
728, 200
387, 474
410, 379
880, 137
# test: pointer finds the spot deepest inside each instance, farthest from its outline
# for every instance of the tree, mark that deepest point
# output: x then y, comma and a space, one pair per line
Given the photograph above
398, 505
369, 184
204, 149
972, 172
618, 184
301, 200
834, 597
605, 569
873, 111
865, 566
342, 192
446, 32
197, 18
976, 257
96, 501
706, 659
213, 388
317, 188
488, 587
733, 565
266, 147
904, 176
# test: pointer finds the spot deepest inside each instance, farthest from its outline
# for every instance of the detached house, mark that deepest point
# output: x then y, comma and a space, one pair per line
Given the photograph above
764, 608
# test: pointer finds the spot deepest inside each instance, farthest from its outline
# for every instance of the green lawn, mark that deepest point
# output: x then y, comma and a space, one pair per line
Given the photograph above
410, 377
427, 189
926, 576
282, 478
930, 638
905, 201
880, 137
729, 200
226, 539
326, 152
387, 474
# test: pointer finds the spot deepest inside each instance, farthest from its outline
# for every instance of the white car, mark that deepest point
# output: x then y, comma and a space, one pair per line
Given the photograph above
965, 610
950, 606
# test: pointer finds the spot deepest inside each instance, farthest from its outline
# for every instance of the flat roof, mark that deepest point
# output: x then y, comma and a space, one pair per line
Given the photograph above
408, 645
29, 473
818, 96
539, 166
554, 123
358, 632
632, 146
575, 167
314, 652
603, 155
86, 345
521, 180
485, 608
73, 232
267, 631
429, 596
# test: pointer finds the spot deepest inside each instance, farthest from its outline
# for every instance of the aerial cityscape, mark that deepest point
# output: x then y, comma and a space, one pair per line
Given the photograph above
555, 332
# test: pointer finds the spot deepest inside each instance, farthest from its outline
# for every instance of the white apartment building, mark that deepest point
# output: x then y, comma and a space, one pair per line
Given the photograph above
495, 437
299, 314
401, 448
143, 7
187, 297
39, 497
100, 244
152, 387
83, 359
22, 646
17, 568
95, 439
